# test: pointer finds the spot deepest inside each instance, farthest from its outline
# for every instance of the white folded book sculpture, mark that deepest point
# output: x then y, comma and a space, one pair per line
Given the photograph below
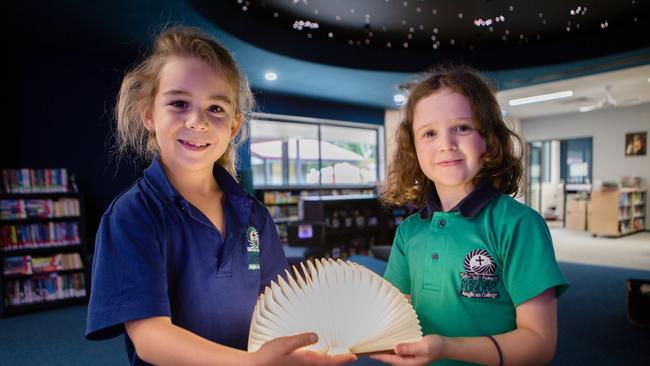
352, 309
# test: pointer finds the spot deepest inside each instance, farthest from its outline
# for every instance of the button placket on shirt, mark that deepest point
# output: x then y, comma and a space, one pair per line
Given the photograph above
439, 222
432, 276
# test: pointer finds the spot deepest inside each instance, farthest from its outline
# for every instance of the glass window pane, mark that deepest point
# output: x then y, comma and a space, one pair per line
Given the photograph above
283, 153
578, 161
348, 155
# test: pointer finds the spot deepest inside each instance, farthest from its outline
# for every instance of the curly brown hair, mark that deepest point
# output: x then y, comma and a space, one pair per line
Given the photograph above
405, 182
140, 85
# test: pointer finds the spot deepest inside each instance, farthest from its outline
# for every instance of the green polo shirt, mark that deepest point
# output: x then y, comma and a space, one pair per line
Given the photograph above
467, 269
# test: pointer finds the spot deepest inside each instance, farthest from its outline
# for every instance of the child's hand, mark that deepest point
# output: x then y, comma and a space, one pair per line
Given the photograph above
428, 349
286, 351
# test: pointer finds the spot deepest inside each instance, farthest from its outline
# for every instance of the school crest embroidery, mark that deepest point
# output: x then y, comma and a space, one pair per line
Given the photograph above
253, 248
479, 280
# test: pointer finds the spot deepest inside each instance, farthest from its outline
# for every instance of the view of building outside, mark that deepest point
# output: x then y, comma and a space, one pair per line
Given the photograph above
285, 153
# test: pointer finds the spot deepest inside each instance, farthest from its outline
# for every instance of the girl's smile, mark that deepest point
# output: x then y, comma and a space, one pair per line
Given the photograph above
449, 163
194, 146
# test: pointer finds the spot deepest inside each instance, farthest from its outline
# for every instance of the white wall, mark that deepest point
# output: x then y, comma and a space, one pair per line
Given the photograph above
392, 119
607, 127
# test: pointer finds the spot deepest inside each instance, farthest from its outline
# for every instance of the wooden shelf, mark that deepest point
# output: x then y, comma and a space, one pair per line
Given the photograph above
612, 212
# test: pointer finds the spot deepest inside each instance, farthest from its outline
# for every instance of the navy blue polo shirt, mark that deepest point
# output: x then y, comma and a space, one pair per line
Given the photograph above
157, 255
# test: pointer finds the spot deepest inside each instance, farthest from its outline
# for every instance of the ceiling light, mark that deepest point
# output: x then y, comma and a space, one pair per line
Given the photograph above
541, 98
270, 76
588, 108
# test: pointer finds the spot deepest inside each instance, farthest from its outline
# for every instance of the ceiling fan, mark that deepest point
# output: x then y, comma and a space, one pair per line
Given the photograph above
608, 101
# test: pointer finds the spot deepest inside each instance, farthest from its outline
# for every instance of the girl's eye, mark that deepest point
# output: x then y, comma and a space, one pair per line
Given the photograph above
463, 128
428, 134
179, 104
215, 109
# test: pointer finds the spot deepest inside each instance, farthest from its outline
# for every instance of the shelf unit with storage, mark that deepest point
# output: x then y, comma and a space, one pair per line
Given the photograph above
618, 211
331, 221
283, 202
42, 247
351, 224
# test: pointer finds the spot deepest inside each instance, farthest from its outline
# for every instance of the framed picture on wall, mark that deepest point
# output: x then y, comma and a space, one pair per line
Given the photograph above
635, 143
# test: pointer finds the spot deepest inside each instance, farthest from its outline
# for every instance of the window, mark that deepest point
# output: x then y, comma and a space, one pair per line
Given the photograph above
576, 156
294, 151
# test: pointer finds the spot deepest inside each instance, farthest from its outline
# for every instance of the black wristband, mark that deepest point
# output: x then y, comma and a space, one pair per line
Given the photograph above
496, 344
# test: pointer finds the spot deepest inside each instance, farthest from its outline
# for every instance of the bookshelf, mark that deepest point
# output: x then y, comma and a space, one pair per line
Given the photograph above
283, 202
351, 224
42, 242
618, 211
331, 222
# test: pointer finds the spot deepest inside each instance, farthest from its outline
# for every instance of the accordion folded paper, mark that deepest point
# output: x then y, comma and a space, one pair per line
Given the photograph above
352, 309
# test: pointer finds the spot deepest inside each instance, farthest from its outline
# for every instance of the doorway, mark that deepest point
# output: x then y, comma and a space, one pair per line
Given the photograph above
557, 168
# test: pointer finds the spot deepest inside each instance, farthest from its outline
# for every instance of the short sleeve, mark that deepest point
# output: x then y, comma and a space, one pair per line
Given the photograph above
529, 266
397, 270
129, 279
272, 259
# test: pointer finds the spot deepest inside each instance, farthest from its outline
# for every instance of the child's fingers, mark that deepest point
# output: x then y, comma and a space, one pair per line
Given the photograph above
421, 348
312, 358
282, 346
343, 359
286, 345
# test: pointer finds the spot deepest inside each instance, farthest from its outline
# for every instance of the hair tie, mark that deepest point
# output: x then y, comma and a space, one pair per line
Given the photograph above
496, 344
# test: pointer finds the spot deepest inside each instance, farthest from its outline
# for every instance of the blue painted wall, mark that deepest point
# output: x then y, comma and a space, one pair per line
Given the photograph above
308, 107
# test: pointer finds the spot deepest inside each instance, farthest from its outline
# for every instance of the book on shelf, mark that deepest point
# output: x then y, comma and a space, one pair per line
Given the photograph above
20, 265
43, 288
16, 209
34, 180
352, 309
56, 262
27, 264
38, 235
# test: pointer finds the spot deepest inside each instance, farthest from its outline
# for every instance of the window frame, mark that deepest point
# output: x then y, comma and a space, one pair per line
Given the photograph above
319, 122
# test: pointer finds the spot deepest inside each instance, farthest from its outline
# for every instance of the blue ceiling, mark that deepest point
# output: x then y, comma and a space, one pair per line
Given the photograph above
135, 22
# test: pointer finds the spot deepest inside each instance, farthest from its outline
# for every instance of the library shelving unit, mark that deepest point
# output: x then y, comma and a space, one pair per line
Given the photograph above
617, 211
42, 242
335, 222
351, 224
283, 202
